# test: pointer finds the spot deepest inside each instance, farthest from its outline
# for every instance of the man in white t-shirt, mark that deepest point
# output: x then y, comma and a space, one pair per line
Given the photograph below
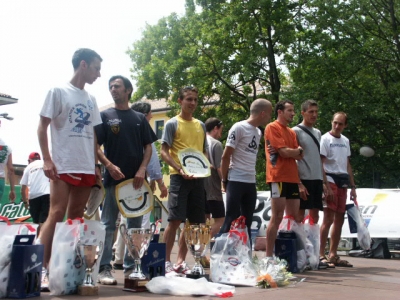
35, 187
238, 164
335, 154
6, 162
71, 113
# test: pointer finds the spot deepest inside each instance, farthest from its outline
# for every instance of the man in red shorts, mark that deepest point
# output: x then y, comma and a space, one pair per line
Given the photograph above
335, 153
71, 113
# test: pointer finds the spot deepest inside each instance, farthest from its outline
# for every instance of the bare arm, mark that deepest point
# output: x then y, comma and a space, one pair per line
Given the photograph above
114, 170
291, 153
141, 173
170, 161
225, 160
353, 194
49, 168
11, 179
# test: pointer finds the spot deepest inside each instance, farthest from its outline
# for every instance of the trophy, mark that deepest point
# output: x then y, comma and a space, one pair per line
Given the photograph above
137, 241
90, 256
197, 237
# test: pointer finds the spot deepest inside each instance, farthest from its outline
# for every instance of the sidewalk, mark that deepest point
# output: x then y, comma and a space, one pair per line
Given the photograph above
368, 279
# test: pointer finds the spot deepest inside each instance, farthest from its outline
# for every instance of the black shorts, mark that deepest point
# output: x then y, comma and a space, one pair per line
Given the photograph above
216, 208
286, 190
186, 199
314, 197
39, 208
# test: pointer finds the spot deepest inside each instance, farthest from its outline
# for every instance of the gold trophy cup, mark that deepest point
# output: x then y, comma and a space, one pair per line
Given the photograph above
137, 241
90, 257
197, 237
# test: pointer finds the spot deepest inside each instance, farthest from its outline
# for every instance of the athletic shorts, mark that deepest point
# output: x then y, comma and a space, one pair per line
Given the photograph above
338, 204
216, 208
39, 208
286, 190
314, 197
186, 199
78, 179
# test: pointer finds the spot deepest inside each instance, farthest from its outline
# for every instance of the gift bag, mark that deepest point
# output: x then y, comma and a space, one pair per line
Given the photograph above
231, 261
312, 233
363, 236
67, 265
7, 237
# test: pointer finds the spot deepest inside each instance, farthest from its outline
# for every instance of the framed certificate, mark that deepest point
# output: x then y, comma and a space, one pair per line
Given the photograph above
194, 163
96, 198
131, 202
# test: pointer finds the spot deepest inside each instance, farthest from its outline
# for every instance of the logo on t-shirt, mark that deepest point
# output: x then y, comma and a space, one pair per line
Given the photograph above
253, 144
232, 137
79, 115
114, 125
3, 153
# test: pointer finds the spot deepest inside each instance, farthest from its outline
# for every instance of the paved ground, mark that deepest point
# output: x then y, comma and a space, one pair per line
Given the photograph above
368, 279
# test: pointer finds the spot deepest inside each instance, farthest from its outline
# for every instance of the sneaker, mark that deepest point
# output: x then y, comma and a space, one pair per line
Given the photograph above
182, 269
105, 277
44, 285
205, 262
118, 267
169, 270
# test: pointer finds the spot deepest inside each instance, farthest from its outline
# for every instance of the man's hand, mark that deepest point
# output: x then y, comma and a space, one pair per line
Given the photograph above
115, 172
98, 174
139, 178
50, 169
163, 189
26, 204
303, 192
353, 196
328, 192
184, 175
152, 185
223, 186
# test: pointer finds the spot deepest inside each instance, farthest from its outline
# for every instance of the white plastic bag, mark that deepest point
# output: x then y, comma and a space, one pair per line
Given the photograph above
67, 266
312, 232
7, 237
363, 236
181, 286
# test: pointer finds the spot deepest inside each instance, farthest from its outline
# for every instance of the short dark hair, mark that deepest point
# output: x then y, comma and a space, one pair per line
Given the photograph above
281, 106
306, 104
182, 91
343, 114
142, 107
126, 81
88, 55
211, 123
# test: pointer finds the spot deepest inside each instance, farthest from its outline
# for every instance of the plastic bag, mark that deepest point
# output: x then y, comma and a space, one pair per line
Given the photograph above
181, 286
305, 249
67, 265
230, 258
7, 237
312, 231
363, 236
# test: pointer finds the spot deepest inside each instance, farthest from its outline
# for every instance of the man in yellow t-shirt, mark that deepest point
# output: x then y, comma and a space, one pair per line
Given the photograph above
186, 198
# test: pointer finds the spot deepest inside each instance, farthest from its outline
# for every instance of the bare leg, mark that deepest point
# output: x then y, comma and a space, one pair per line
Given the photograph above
169, 237
292, 207
218, 222
59, 192
78, 198
182, 248
277, 209
324, 231
314, 214
336, 233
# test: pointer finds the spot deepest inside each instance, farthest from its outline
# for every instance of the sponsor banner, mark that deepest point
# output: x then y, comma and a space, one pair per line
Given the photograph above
16, 211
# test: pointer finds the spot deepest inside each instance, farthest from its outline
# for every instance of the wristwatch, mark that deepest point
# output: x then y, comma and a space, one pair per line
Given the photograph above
353, 187
301, 151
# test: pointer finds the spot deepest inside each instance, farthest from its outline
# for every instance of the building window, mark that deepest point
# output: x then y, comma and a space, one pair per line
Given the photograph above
159, 128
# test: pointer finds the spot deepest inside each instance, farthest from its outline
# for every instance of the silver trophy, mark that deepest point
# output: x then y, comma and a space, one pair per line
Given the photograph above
90, 256
137, 241
197, 237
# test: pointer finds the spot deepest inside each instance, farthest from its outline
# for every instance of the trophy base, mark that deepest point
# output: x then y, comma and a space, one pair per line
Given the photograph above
194, 276
135, 285
85, 290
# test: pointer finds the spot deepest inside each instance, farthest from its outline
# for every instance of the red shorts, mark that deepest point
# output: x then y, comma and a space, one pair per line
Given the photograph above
78, 179
338, 204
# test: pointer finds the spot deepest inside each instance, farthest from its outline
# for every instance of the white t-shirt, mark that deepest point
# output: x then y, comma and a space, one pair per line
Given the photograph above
336, 151
5, 152
245, 139
73, 113
35, 179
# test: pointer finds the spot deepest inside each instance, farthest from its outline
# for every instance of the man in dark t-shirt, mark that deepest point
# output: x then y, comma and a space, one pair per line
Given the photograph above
127, 137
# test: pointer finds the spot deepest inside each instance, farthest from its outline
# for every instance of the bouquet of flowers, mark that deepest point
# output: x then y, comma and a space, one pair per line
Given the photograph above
272, 272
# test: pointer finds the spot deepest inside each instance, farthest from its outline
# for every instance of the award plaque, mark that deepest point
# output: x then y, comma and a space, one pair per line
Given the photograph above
194, 163
96, 198
131, 202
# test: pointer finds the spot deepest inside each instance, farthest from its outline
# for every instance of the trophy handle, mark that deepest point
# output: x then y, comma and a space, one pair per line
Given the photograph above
153, 228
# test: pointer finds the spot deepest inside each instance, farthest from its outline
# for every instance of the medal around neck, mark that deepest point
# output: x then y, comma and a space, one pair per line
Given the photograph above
96, 198
131, 202
194, 163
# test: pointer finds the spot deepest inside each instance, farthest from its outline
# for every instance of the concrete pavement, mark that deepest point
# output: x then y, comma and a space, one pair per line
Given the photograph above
368, 279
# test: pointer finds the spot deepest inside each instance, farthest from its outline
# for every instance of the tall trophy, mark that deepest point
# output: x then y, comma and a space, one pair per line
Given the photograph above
197, 237
137, 240
90, 257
